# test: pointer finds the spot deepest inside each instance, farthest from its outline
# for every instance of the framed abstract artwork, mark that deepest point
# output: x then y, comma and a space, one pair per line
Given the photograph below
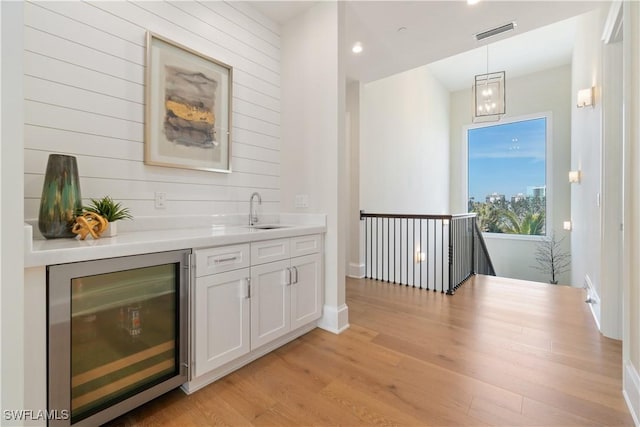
187, 108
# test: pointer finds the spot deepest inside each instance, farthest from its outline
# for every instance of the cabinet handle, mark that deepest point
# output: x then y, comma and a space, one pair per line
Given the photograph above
248, 280
288, 277
296, 271
219, 260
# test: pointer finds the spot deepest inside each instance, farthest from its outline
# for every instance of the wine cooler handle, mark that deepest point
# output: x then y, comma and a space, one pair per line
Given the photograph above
190, 269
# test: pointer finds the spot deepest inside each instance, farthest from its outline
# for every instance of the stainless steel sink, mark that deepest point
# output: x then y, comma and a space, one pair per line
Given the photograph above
269, 226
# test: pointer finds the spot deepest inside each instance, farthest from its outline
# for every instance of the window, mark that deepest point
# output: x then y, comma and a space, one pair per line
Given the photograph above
506, 180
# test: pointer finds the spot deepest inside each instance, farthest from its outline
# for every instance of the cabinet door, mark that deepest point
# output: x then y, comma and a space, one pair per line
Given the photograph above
306, 291
222, 328
270, 302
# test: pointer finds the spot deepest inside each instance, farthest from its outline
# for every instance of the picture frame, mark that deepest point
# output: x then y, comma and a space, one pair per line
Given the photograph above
187, 108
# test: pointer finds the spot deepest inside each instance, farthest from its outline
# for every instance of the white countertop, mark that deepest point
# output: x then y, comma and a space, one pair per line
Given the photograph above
132, 241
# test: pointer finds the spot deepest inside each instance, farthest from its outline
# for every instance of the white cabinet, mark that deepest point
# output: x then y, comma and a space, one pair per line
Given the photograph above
270, 302
222, 316
221, 259
249, 295
287, 293
306, 290
269, 251
221, 308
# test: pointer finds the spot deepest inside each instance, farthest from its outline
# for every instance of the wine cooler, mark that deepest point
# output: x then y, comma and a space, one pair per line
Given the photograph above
117, 334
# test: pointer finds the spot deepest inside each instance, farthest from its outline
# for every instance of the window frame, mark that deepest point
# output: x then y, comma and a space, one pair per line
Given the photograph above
548, 116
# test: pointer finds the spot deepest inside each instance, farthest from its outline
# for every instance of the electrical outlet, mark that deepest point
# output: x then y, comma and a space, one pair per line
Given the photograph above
160, 200
302, 201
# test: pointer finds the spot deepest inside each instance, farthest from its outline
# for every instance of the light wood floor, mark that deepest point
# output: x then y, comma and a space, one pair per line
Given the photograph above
499, 352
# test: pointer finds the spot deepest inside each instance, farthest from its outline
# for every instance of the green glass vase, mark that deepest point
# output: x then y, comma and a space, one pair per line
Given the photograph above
61, 199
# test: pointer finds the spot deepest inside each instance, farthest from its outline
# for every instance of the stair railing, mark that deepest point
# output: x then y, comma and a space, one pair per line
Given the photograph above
482, 260
432, 252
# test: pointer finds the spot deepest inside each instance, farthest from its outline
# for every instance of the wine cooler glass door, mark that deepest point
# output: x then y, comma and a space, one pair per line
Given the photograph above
123, 334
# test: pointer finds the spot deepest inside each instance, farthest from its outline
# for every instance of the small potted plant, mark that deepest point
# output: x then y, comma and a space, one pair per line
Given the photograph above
111, 211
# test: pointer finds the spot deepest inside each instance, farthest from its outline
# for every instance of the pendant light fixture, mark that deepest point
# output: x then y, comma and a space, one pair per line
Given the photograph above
489, 95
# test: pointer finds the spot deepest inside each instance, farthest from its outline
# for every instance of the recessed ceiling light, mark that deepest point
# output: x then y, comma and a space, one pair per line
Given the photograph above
472, 1
357, 47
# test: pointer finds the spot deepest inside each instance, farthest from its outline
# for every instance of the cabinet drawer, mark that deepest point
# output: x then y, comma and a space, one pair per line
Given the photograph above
305, 245
269, 251
224, 258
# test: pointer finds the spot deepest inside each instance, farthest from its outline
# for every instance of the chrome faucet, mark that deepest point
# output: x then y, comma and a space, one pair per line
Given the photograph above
253, 215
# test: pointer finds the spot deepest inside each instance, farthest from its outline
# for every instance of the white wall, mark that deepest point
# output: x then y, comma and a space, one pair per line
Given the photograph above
404, 144
612, 182
313, 137
11, 214
586, 156
631, 271
355, 265
84, 95
547, 91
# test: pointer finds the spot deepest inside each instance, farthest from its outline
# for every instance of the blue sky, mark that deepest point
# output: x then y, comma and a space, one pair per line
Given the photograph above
506, 158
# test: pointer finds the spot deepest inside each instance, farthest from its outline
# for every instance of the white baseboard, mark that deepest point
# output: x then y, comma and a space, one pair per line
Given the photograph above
595, 305
204, 380
356, 270
334, 319
631, 390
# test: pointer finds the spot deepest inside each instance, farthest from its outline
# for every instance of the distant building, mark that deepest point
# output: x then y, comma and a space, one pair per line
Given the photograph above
495, 198
537, 192
518, 197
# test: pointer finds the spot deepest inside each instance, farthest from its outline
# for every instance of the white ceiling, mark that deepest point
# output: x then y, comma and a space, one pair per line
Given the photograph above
441, 29
282, 11
536, 50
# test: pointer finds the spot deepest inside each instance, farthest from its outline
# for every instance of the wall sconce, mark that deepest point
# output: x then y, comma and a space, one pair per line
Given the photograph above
574, 177
420, 256
585, 97
567, 225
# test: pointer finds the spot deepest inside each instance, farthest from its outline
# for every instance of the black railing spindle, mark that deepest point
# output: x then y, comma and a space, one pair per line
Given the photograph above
394, 250
407, 272
420, 253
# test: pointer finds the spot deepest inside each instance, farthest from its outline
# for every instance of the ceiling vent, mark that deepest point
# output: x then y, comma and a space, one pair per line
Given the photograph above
495, 31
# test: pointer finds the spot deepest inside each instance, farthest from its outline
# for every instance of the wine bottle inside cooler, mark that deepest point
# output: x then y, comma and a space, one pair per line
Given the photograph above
134, 320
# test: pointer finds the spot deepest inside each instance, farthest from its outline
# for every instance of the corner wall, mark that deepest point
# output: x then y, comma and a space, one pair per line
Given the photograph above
355, 265
313, 138
11, 214
84, 65
586, 156
536, 93
631, 267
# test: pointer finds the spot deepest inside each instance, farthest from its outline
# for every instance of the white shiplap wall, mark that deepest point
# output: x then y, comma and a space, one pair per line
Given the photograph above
84, 95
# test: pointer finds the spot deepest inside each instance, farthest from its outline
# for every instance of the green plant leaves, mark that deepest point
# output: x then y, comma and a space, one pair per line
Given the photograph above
109, 209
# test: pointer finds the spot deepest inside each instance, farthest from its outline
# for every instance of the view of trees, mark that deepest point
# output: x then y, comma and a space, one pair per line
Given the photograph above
524, 216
